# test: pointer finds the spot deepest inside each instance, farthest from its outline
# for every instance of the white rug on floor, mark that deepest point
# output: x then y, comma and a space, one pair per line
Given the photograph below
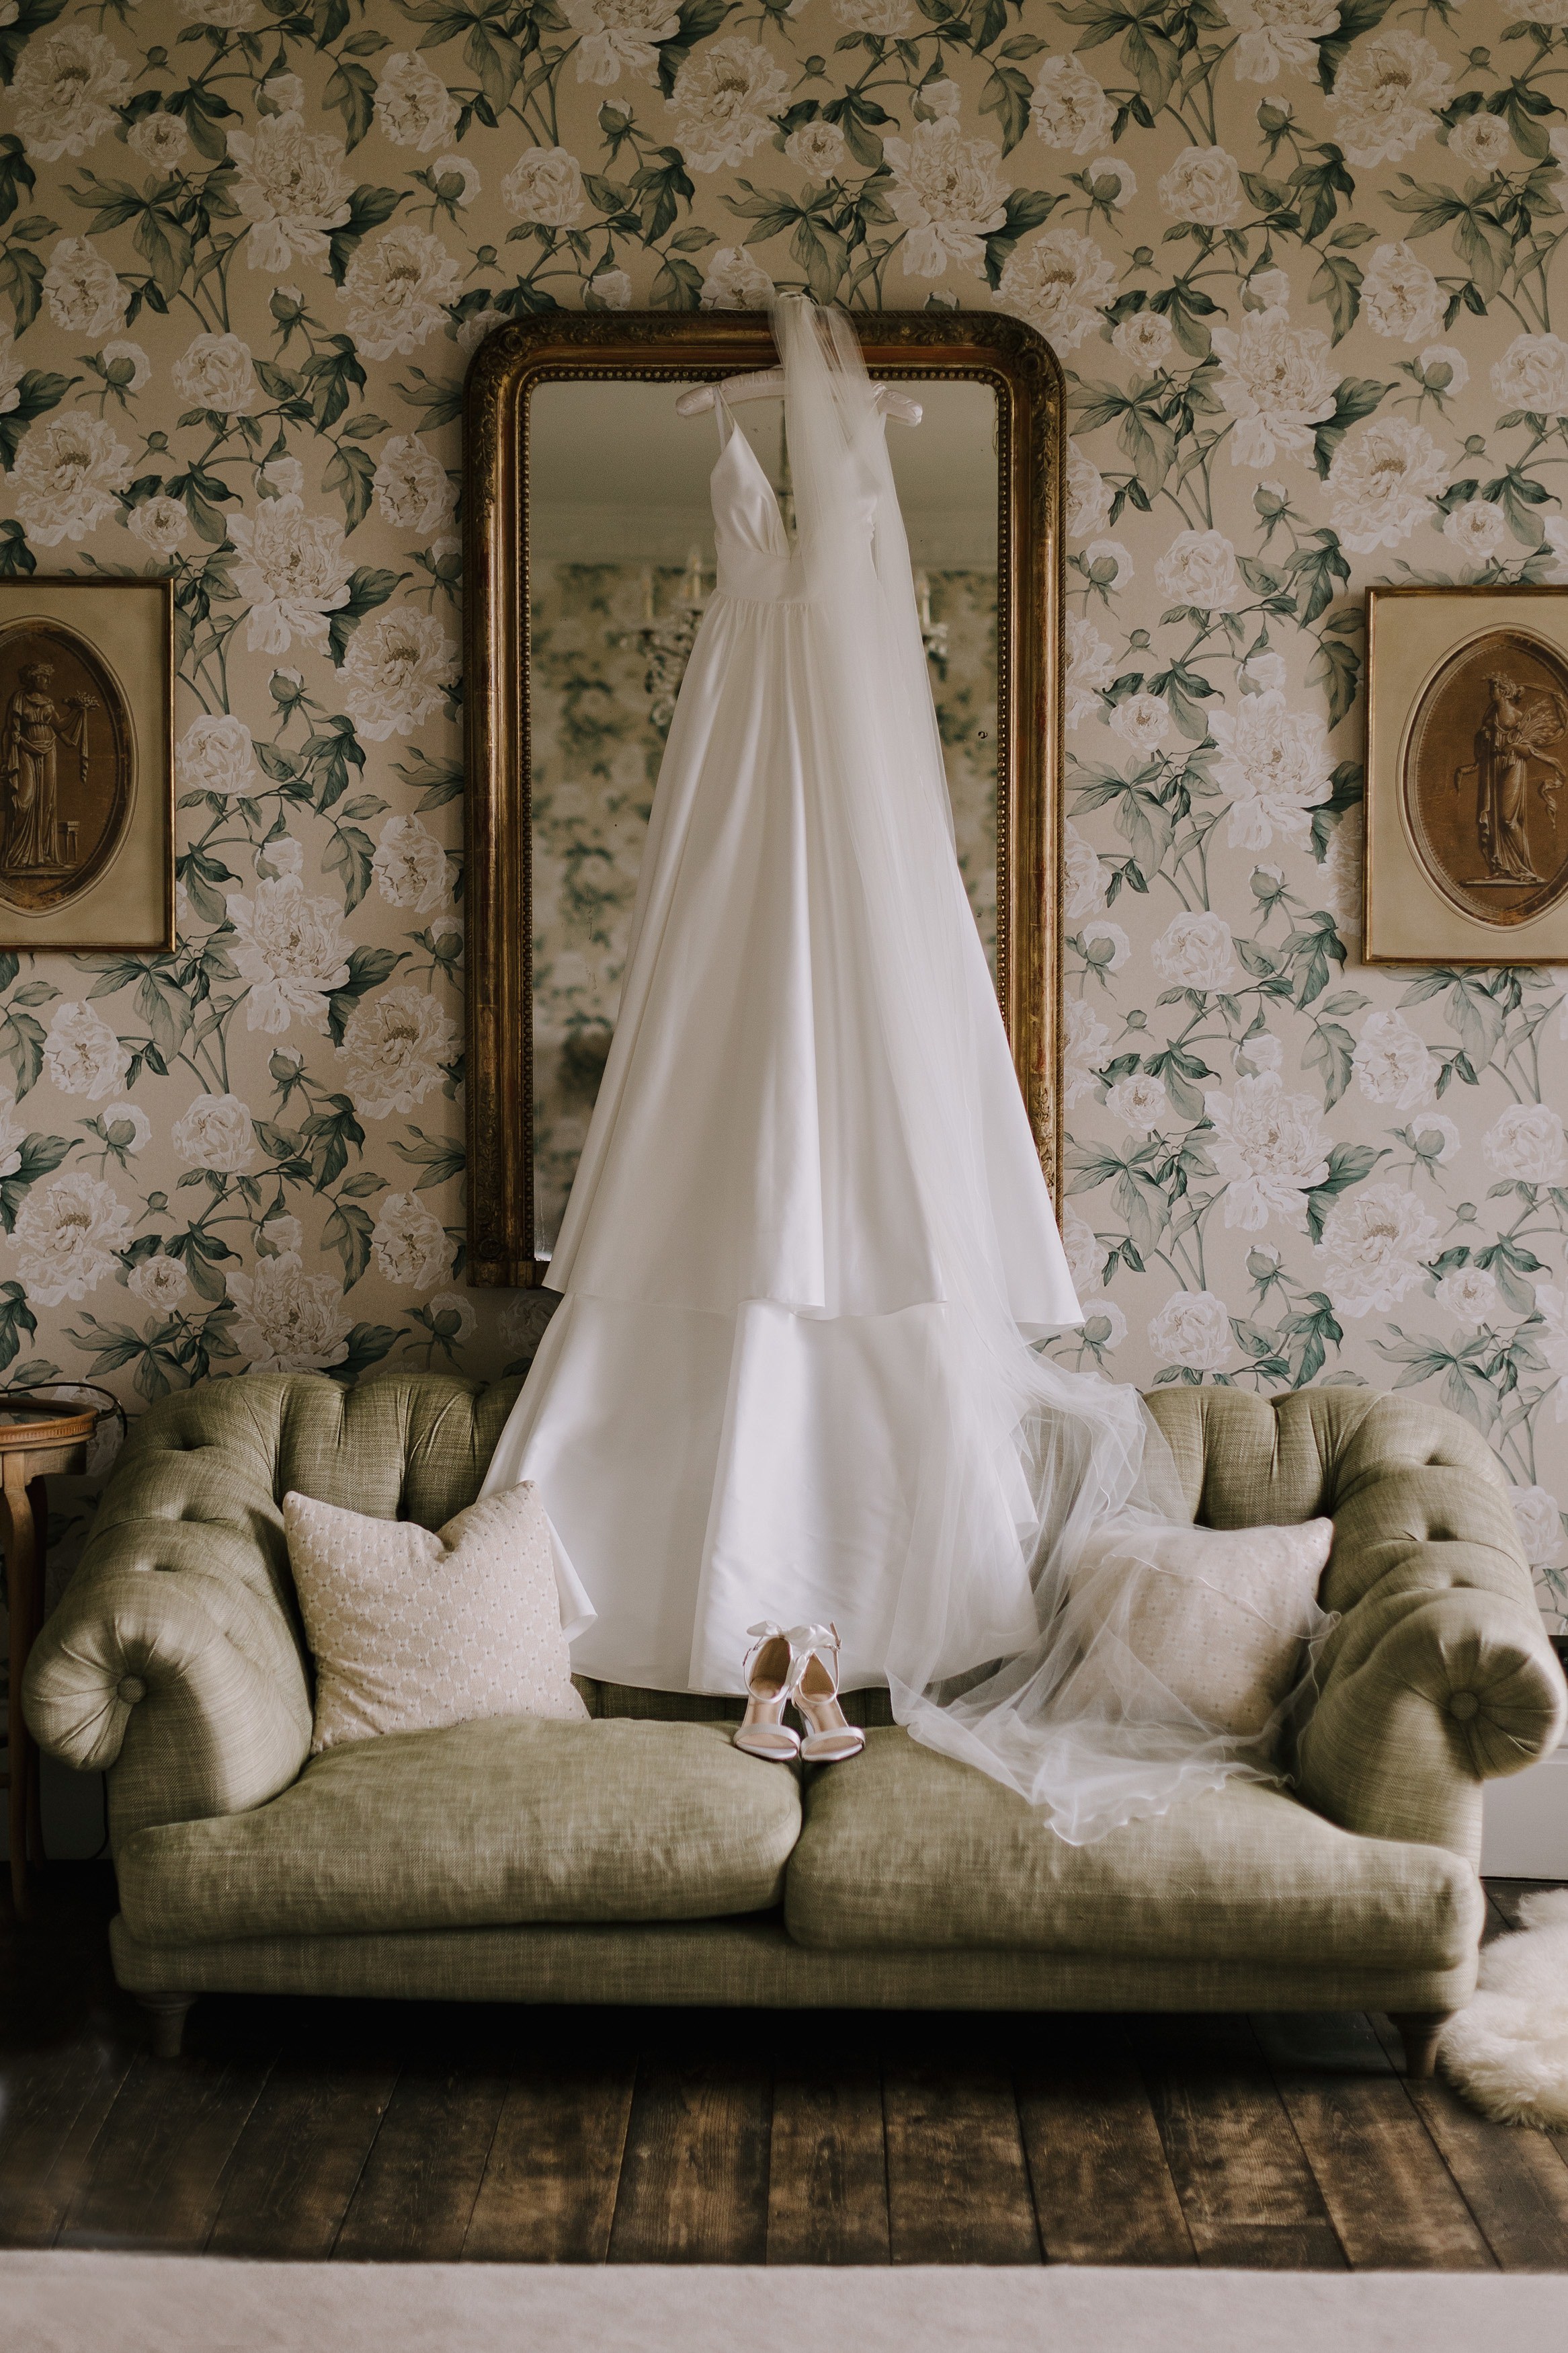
1508, 2050
153, 2303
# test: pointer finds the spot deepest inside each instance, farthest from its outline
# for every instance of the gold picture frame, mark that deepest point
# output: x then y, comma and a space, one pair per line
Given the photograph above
1466, 776
993, 349
86, 766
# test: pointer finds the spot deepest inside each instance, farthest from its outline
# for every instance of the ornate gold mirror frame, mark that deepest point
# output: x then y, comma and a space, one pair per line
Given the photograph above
652, 347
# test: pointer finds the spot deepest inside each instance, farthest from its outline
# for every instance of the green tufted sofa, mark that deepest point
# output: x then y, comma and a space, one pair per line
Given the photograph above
640, 1857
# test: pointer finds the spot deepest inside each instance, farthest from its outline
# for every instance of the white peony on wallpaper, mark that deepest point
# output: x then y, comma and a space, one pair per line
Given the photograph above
1300, 260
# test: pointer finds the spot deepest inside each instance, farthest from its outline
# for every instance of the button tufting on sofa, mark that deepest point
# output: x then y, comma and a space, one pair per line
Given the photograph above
638, 1857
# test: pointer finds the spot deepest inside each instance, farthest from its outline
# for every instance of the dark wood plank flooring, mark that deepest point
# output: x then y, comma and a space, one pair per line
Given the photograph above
400, 2132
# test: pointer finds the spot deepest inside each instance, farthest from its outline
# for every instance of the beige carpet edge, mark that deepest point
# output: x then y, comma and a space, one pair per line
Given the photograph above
111, 2303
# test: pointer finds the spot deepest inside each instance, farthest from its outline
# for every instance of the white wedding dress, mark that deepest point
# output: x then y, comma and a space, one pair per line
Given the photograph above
809, 1246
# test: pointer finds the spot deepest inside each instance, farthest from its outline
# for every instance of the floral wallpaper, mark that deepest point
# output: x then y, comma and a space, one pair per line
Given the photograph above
1298, 257
601, 700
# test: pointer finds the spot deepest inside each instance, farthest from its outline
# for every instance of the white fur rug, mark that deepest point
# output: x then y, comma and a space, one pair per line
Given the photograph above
1508, 2052
170, 2304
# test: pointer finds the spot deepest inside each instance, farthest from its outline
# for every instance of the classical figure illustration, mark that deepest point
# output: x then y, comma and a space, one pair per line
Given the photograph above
1520, 726
1484, 773
65, 765
35, 734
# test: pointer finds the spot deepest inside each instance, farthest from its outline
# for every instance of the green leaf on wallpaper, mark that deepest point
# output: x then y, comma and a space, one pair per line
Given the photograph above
347, 1231
1469, 1008
440, 1157
1487, 247
15, 1318
1318, 568
822, 254
1337, 283
16, 172
1313, 1332
1329, 1050
330, 376
29, 18
22, 282
1026, 209
22, 1045
350, 854
166, 1010
350, 473
351, 89
1318, 188
1522, 109
1356, 17
328, 1135
1006, 95
661, 185
437, 781
34, 396
368, 208
368, 1343
1349, 1164
165, 245
1355, 398
203, 876
1336, 666
697, 19
368, 967
39, 1156
678, 285
441, 401
859, 118
1311, 949
368, 589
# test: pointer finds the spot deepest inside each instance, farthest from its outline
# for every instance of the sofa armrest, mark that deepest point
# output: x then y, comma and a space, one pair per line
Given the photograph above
1438, 1676
174, 1661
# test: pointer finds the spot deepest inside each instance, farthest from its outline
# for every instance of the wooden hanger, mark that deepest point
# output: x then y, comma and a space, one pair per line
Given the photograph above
770, 382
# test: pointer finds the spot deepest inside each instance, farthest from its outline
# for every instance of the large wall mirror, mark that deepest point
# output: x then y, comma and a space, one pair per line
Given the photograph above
589, 561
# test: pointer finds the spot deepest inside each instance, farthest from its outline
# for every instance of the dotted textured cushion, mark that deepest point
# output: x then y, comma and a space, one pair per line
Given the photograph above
1217, 1616
412, 1629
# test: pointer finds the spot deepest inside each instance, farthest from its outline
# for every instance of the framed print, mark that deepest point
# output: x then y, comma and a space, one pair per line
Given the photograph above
87, 796
1466, 776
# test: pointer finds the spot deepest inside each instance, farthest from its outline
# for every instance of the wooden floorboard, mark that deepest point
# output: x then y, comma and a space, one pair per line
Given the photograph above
160, 2163
54, 2104
1102, 2188
827, 2169
694, 2176
418, 2132
1392, 2201
1248, 2196
548, 2195
958, 2181
1512, 2178
299, 2161
414, 2199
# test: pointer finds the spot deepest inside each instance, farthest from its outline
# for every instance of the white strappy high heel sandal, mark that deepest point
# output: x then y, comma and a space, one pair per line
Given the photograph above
769, 1673
830, 1738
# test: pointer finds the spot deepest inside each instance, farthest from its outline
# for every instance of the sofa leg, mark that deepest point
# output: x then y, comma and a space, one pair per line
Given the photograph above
1420, 2030
168, 2012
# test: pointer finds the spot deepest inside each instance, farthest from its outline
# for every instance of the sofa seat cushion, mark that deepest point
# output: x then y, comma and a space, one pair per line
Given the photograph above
906, 1848
478, 1825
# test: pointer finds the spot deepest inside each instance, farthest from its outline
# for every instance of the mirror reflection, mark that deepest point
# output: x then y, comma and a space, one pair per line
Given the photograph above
621, 565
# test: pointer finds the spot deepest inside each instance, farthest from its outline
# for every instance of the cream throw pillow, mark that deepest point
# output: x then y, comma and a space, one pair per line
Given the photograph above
1217, 1616
412, 1629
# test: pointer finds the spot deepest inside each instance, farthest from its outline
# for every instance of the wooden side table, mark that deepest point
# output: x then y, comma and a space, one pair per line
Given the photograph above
36, 1439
